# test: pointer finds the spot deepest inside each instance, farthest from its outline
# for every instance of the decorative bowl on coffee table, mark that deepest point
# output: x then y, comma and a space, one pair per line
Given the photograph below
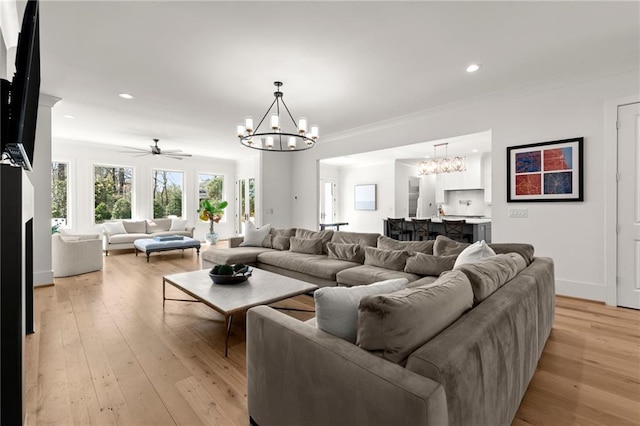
230, 279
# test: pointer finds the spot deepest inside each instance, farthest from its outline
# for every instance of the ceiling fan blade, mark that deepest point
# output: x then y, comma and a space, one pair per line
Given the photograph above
177, 154
171, 151
134, 149
143, 154
174, 157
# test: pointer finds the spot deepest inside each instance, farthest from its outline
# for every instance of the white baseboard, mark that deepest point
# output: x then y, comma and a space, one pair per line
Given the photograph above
42, 278
589, 291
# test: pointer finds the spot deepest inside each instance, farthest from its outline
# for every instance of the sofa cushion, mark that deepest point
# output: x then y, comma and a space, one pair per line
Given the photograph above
366, 274
158, 225
177, 225
219, 256
424, 281
306, 245
278, 232
344, 251
474, 253
253, 237
524, 250
444, 246
114, 228
316, 265
387, 243
388, 259
488, 275
361, 238
126, 238
398, 323
135, 226
427, 264
337, 307
280, 242
324, 235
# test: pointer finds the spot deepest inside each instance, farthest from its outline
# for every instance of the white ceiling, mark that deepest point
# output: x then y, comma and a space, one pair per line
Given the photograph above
197, 68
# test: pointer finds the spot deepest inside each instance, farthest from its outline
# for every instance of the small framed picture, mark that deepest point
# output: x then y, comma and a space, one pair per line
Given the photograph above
545, 171
365, 197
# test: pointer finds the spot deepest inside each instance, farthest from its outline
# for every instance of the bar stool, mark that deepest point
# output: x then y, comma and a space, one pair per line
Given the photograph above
422, 229
454, 229
396, 229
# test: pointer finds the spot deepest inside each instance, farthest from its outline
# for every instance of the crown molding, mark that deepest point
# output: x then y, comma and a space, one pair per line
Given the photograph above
48, 100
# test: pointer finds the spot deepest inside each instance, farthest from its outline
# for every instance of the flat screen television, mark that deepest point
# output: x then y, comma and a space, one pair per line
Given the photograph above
20, 97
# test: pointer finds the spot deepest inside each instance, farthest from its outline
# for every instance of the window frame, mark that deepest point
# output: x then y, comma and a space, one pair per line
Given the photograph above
93, 191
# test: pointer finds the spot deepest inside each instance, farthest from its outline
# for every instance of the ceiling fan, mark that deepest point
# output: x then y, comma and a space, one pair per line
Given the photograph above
155, 150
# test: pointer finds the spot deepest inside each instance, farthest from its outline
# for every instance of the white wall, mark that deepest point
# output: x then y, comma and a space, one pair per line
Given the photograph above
365, 221
81, 158
571, 233
275, 178
428, 196
401, 193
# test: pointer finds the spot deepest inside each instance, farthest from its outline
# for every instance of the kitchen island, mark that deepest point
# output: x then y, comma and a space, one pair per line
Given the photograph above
479, 228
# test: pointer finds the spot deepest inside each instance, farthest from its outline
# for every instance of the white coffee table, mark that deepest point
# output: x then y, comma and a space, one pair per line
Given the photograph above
262, 288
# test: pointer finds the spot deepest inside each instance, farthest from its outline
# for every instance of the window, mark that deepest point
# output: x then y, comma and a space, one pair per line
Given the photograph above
59, 190
167, 193
210, 187
111, 192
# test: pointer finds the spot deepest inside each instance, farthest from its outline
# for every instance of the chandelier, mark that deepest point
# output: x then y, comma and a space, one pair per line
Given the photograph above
442, 165
278, 139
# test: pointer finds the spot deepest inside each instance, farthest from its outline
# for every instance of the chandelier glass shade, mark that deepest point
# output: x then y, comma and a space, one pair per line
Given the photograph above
280, 136
441, 165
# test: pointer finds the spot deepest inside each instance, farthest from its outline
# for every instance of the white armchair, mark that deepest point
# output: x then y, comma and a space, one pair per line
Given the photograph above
75, 254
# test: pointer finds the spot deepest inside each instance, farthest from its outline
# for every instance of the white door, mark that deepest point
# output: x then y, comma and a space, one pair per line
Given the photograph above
327, 201
629, 206
246, 200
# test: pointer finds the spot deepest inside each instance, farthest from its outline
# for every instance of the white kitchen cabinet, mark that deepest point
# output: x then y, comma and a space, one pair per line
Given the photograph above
486, 174
440, 199
469, 179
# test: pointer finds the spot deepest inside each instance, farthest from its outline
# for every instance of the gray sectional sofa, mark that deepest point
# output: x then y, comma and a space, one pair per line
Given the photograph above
119, 235
472, 370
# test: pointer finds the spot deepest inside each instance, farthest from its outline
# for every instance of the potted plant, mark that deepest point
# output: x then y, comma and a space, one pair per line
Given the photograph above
211, 211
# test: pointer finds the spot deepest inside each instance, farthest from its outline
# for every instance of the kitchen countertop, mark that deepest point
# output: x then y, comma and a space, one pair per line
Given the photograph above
470, 221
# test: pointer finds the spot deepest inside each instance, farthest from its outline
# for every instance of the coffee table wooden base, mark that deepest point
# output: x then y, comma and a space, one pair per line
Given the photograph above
263, 288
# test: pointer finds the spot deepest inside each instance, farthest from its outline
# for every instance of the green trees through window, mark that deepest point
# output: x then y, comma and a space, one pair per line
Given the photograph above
167, 193
112, 192
59, 188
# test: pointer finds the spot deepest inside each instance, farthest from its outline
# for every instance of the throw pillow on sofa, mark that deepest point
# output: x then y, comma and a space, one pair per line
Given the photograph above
398, 323
387, 259
343, 251
324, 235
114, 228
337, 307
426, 264
280, 242
488, 275
306, 245
387, 243
136, 226
178, 225
278, 232
253, 237
445, 246
474, 253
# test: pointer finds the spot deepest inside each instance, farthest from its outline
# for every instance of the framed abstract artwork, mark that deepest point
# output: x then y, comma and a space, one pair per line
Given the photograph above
545, 171
365, 197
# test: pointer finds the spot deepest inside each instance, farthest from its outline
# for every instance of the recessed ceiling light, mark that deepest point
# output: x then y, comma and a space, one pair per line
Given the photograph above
473, 67
125, 96
69, 116
474, 150
427, 156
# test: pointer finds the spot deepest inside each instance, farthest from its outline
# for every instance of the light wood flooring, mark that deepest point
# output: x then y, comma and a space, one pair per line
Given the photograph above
105, 352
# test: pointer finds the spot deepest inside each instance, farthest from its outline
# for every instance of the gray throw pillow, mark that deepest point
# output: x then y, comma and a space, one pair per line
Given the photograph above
399, 323
306, 245
445, 246
343, 251
280, 242
524, 250
337, 307
387, 259
387, 243
275, 232
489, 274
324, 235
426, 264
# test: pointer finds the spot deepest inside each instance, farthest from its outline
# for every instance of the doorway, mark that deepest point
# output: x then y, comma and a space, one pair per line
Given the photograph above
328, 201
628, 207
246, 199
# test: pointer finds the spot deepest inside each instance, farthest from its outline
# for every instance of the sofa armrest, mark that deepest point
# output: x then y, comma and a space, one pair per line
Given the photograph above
235, 241
298, 374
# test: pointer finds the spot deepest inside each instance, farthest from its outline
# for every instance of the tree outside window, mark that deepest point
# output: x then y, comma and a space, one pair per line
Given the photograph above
59, 190
167, 193
112, 192
210, 188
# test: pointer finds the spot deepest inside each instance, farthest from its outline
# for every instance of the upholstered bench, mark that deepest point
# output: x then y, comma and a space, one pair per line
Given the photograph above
150, 245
